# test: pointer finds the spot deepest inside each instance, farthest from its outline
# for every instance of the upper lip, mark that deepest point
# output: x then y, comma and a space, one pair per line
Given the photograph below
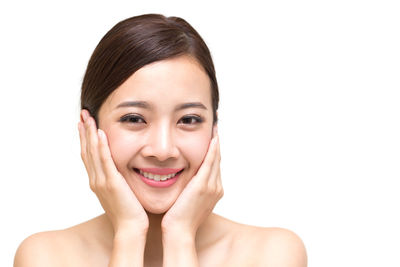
160, 171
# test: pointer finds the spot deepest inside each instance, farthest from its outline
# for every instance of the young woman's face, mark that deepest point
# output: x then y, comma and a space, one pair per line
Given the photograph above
160, 117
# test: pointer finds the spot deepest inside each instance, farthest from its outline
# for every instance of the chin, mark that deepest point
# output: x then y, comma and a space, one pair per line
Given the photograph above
158, 203
154, 201
157, 209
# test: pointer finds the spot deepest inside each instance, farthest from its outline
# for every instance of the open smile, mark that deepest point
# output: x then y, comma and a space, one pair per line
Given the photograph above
157, 177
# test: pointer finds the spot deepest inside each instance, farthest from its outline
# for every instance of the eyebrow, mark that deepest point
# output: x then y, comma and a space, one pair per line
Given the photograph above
145, 105
190, 105
139, 104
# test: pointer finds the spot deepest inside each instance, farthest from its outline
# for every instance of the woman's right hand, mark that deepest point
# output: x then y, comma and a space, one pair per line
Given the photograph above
116, 197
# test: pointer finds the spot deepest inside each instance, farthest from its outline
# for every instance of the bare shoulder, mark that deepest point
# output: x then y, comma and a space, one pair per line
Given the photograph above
265, 246
281, 247
67, 247
41, 249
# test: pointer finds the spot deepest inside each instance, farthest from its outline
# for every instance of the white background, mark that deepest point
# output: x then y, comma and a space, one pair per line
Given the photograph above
309, 117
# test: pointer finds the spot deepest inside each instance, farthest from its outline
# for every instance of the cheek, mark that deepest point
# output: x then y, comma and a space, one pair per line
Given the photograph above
194, 149
122, 147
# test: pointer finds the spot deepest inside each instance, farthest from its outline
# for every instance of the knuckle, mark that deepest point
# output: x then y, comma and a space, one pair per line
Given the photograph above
110, 185
92, 150
202, 189
208, 163
92, 186
216, 191
103, 157
221, 193
100, 185
210, 190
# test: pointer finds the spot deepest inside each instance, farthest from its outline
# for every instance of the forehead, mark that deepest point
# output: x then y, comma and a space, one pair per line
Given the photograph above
167, 82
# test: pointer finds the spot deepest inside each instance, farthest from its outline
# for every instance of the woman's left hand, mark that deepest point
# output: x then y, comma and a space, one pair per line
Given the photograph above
199, 197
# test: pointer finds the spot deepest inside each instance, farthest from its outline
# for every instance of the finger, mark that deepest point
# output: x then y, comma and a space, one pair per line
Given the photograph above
215, 175
220, 188
215, 169
206, 166
108, 164
82, 139
92, 150
82, 133
215, 130
84, 115
84, 156
85, 151
215, 180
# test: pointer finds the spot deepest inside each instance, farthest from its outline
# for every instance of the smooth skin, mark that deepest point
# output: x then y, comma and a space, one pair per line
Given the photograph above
169, 227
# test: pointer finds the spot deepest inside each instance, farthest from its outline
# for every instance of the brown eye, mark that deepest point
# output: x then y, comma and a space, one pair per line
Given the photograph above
132, 119
191, 120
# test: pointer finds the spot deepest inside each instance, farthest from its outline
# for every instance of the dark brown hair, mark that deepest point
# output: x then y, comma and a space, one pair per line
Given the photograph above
135, 42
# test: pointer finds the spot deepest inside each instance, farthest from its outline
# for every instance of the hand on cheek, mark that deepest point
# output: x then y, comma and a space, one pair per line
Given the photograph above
117, 199
199, 197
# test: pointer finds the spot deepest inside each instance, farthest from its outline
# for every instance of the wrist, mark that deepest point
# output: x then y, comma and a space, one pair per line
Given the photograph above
132, 233
131, 227
177, 229
178, 237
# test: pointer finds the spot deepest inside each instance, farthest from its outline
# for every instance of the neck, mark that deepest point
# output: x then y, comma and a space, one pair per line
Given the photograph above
154, 249
207, 233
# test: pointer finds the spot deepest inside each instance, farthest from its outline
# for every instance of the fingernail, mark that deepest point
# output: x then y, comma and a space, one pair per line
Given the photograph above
84, 115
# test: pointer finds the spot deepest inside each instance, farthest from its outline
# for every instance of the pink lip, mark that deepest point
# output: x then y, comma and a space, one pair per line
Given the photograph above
160, 184
163, 171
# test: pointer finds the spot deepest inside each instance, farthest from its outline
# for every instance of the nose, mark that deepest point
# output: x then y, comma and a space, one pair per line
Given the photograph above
160, 143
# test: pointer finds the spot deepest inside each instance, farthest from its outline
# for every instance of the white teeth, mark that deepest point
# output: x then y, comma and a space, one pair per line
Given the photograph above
157, 177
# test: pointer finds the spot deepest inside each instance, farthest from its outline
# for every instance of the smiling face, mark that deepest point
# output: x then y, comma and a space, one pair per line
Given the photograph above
160, 117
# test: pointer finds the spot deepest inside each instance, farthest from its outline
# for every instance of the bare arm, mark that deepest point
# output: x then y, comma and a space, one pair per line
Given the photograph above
125, 212
179, 250
128, 249
191, 209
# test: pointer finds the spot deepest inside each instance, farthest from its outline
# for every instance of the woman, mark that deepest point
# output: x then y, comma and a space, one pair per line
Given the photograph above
149, 142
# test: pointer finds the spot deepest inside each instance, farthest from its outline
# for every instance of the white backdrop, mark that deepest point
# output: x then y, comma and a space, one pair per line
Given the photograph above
309, 117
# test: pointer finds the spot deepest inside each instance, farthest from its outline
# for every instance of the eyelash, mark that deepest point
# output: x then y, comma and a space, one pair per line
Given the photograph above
197, 119
129, 119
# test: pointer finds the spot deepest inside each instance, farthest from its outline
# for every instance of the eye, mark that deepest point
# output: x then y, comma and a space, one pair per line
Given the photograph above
191, 120
131, 118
